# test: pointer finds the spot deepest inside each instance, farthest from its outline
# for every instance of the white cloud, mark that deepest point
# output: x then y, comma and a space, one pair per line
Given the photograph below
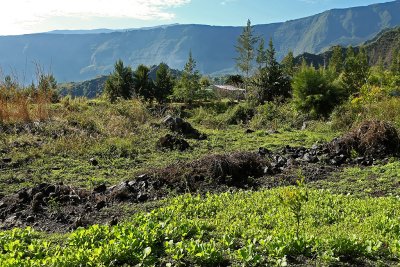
20, 15
225, 2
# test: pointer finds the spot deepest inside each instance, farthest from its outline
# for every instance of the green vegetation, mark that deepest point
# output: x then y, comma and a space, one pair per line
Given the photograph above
242, 228
345, 216
315, 92
188, 86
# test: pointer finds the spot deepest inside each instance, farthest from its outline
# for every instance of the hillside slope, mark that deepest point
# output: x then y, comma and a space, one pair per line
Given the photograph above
382, 47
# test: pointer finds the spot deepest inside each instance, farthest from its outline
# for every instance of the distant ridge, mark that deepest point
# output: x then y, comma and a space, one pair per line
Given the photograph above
97, 31
382, 47
78, 57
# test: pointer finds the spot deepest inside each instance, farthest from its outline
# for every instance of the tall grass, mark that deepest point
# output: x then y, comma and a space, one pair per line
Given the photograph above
23, 105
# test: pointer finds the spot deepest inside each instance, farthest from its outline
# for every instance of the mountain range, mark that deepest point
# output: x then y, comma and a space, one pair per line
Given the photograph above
77, 56
380, 49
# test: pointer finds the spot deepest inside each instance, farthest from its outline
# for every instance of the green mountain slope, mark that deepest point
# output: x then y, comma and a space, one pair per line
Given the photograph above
382, 47
76, 57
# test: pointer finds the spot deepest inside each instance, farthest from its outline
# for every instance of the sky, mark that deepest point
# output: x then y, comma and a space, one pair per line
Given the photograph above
32, 16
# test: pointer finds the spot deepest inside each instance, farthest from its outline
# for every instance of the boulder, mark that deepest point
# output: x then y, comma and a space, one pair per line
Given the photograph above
172, 143
178, 125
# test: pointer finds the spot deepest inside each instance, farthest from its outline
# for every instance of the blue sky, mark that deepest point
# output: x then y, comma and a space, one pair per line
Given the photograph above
28, 16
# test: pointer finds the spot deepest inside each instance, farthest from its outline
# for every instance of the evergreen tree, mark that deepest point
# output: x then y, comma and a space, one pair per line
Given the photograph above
245, 49
163, 84
261, 55
356, 70
395, 65
288, 64
336, 61
271, 82
188, 86
235, 80
143, 85
120, 82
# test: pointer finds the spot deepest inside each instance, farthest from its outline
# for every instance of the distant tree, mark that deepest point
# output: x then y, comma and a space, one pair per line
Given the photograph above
271, 82
204, 82
288, 64
336, 61
395, 64
235, 80
188, 86
245, 49
163, 84
9, 83
119, 83
47, 83
355, 70
261, 55
143, 85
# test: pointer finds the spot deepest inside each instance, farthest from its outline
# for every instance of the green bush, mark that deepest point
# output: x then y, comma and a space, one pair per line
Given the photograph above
241, 113
315, 92
276, 115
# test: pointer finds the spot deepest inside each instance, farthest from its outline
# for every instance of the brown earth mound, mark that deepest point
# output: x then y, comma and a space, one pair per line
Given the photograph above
376, 139
231, 169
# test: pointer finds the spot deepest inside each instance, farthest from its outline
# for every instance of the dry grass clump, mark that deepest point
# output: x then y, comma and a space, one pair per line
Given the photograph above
371, 138
20, 106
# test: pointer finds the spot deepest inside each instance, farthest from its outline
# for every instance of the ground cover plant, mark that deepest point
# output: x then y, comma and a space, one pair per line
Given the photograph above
242, 228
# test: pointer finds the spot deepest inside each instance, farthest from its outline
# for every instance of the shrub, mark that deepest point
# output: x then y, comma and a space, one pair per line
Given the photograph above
275, 115
241, 113
315, 91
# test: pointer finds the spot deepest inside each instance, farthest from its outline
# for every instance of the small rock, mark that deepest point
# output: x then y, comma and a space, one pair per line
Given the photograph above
101, 204
359, 160
114, 221
94, 162
74, 199
100, 188
249, 131
30, 219
37, 201
172, 143
310, 158
305, 125
141, 197
263, 151
368, 162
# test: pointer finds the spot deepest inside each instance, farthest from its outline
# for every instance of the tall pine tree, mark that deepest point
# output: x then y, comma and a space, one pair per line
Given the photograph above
245, 49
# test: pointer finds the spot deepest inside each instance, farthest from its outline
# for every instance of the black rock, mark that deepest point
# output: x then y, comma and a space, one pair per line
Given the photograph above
338, 160
37, 201
141, 197
263, 151
94, 162
101, 204
249, 131
172, 143
359, 160
100, 188
30, 219
7, 160
310, 158
113, 221
180, 126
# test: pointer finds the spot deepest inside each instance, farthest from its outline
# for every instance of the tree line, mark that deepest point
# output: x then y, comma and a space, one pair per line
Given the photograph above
315, 90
